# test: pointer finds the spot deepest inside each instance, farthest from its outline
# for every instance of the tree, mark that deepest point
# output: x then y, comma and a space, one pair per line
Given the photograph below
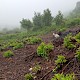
37, 20
59, 18
26, 23
47, 18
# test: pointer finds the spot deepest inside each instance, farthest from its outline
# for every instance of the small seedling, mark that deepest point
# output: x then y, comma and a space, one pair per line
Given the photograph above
8, 54
28, 77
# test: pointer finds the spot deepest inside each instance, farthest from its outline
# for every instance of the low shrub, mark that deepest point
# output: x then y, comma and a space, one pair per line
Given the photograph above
43, 49
67, 42
8, 54
63, 77
28, 77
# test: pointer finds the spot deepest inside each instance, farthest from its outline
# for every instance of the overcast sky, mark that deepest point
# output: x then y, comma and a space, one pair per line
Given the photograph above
12, 11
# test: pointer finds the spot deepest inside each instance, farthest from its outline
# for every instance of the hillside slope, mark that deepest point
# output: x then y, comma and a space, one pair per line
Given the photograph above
16, 67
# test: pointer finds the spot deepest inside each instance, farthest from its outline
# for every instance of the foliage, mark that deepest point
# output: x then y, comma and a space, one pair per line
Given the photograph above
28, 77
77, 37
37, 20
67, 42
60, 60
73, 22
8, 54
36, 68
32, 40
63, 77
26, 23
43, 49
78, 54
47, 17
59, 19
18, 45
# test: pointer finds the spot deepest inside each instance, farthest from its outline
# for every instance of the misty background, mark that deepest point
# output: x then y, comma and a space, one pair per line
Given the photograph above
12, 11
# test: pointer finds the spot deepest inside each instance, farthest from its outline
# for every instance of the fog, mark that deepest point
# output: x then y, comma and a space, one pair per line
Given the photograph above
12, 11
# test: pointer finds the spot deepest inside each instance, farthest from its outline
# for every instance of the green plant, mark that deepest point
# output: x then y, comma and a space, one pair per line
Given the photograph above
78, 54
67, 42
36, 68
18, 45
60, 60
28, 77
63, 77
8, 54
33, 40
44, 49
77, 37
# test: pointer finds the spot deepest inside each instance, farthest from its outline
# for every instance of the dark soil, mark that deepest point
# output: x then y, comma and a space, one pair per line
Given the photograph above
16, 67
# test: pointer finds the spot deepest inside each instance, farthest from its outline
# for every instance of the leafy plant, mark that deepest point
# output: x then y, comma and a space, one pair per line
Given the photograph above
67, 42
29, 77
36, 68
8, 54
63, 77
78, 54
60, 60
44, 49
33, 40
77, 37
18, 45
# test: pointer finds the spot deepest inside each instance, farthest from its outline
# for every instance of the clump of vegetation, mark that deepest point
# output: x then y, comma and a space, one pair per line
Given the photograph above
77, 37
33, 40
73, 22
8, 54
63, 77
36, 69
78, 54
44, 49
67, 42
60, 60
29, 77
18, 45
